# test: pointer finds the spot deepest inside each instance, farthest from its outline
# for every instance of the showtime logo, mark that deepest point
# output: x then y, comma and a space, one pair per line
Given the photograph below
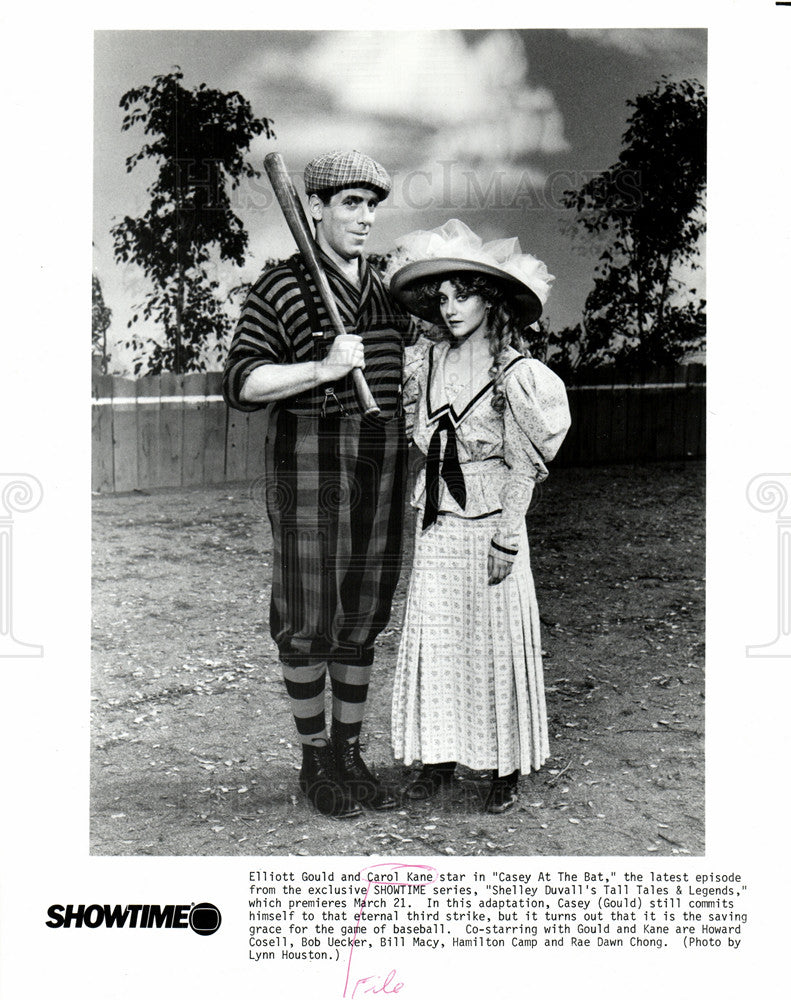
203, 918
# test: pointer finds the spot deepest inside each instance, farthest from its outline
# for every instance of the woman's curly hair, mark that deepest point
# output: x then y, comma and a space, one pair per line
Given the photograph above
504, 328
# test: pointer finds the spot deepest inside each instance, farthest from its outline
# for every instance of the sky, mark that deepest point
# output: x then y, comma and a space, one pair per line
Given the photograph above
486, 126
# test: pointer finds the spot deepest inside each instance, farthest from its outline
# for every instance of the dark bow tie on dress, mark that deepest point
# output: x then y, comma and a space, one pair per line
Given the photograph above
450, 471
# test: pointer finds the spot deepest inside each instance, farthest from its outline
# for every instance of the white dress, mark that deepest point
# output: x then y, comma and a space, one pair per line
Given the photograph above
469, 682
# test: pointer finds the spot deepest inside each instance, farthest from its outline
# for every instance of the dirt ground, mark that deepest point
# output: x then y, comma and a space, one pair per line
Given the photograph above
193, 750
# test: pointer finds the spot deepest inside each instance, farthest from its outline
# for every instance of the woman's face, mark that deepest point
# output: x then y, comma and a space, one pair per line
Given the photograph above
462, 313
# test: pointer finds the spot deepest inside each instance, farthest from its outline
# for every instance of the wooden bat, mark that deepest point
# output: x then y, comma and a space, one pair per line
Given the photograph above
289, 201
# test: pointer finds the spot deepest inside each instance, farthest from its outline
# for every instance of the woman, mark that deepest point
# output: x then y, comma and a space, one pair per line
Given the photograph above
469, 683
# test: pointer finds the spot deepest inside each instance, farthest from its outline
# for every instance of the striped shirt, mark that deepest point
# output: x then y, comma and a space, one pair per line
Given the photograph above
275, 327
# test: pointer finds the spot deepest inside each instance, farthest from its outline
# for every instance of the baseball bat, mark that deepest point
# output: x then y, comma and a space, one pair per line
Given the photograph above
289, 201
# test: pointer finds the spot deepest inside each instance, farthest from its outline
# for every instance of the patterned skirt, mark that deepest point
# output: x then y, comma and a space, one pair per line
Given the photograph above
469, 683
335, 497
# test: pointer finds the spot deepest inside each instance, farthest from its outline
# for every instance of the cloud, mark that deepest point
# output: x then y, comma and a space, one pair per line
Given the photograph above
424, 95
452, 186
677, 43
303, 136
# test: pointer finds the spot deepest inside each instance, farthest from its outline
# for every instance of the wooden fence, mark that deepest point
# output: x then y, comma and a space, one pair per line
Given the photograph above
170, 430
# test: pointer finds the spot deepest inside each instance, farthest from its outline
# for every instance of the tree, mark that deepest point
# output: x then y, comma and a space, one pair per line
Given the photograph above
100, 316
648, 209
199, 138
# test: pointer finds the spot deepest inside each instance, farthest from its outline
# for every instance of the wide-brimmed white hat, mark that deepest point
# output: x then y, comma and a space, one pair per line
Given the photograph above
453, 248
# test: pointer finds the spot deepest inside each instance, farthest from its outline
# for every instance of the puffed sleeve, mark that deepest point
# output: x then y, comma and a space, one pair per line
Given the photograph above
414, 380
535, 421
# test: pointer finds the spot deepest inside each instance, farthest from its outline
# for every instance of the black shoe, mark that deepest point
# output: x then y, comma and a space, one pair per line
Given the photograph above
319, 781
361, 785
431, 779
503, 793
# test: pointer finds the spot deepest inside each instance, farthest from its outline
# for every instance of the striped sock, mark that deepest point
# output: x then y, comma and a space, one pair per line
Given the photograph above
349, 694
305, 688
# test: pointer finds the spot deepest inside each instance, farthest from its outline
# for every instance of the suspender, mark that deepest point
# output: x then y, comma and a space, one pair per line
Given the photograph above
307, 295
315, 325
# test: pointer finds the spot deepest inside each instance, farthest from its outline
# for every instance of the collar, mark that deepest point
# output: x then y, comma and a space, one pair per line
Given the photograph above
435, 388
351, 299
363, 267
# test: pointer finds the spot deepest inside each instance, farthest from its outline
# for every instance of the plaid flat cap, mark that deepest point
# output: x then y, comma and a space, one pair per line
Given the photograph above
343, 169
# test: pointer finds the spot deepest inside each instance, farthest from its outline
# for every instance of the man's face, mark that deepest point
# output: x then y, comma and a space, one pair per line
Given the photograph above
345, 222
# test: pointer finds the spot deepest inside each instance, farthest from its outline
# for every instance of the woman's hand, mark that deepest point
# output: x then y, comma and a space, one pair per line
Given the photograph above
500, 561
498, 567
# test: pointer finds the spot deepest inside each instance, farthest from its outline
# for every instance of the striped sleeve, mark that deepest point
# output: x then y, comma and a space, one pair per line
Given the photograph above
260, 337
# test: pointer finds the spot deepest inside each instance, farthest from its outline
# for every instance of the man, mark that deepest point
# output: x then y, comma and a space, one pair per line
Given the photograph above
335, 479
